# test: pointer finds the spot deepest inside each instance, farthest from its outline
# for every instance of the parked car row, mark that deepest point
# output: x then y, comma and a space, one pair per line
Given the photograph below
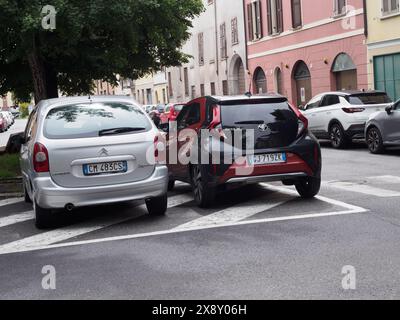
78, 152
161, 114
348, 115
6, 120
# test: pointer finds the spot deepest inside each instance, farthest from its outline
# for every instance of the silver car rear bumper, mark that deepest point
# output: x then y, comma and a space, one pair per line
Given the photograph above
49, 195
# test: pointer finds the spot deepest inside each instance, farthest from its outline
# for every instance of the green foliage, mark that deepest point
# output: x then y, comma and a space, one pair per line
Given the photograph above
9, 166
24, 110
93, 40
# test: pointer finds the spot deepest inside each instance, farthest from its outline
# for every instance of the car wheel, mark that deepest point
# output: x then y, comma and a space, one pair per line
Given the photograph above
308, 187
203, 194
27, 198
157, 206
374, 141
171, 184
43, 217
338, 136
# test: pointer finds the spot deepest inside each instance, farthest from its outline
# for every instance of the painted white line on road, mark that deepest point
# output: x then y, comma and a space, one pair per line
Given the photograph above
233, 214
16, 218
8, 202
59, 235
362, 188
351, 209
385, 179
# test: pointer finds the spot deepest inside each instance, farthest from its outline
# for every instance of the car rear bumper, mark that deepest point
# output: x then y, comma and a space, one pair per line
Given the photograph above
356, 131
49, 195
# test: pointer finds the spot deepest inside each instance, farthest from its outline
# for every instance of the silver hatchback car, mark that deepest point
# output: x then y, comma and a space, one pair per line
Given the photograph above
88, 151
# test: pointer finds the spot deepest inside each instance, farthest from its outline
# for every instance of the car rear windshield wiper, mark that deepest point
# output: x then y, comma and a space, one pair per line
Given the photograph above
250, 122
109, 132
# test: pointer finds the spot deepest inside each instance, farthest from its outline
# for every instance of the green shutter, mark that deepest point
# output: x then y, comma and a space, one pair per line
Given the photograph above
387, 74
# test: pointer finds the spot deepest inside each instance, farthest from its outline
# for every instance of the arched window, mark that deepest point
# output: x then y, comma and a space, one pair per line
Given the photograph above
260, 81
302, 79
345, 73
278, 80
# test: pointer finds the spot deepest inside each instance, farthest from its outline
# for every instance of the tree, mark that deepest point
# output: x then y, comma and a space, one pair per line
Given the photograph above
92, 40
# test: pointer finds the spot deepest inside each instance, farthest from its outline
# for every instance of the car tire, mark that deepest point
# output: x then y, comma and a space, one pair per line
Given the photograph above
157, 206
338, 136
171, 184
375, 141
27, 198
204, 195
43, 217
308, 187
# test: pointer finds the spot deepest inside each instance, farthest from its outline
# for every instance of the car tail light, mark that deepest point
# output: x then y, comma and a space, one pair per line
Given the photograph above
302, 121
40, 158
353, 110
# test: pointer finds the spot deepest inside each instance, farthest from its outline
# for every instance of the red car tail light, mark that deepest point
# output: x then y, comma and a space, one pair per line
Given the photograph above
40, 158
303, 122
353, 110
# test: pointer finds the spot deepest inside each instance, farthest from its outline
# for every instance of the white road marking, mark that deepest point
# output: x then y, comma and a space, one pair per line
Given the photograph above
62, 234
385, 179
8, 202
16, 218
362, 188
233, 214
43, 245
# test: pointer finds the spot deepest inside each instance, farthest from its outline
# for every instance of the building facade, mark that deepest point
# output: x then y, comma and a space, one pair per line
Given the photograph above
218, 50
6, 102
152, 89
383, 43
300, 48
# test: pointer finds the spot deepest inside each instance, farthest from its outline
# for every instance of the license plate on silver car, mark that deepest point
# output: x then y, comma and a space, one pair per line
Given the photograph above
271, 158
95, 169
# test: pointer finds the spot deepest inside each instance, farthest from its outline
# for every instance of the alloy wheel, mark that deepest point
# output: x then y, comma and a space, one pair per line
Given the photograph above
336, 136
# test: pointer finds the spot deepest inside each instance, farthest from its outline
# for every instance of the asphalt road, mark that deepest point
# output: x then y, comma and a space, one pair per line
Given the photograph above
259, 242
19, 126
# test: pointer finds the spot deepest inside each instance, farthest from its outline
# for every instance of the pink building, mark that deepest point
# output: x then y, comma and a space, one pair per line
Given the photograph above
300, 48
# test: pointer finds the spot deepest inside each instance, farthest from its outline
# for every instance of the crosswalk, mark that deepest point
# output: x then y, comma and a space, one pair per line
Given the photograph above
277, 203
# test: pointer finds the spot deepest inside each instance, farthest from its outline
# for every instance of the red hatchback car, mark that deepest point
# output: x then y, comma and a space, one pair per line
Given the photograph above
280, 148
171, 112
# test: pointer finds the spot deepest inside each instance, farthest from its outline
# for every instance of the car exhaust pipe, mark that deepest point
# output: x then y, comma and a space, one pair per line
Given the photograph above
69, 207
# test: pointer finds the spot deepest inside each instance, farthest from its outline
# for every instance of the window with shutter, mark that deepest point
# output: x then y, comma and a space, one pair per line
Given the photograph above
390, 7
296, 14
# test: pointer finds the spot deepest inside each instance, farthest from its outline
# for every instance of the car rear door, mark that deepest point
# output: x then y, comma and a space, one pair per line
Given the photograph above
311, 113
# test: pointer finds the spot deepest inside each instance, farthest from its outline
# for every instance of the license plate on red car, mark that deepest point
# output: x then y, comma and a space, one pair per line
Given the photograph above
270, 158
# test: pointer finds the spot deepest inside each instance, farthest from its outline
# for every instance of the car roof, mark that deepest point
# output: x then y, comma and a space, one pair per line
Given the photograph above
246, 97
346, 93
47, 104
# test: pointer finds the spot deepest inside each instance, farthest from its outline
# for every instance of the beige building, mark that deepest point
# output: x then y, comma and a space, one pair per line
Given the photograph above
6, 102
383, 17
152, 89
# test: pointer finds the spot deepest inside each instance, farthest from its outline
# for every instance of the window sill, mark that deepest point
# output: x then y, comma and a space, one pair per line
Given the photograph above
339, 15
390, 15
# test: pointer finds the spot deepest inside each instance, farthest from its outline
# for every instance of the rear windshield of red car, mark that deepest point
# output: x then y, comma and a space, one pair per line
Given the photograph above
368, 98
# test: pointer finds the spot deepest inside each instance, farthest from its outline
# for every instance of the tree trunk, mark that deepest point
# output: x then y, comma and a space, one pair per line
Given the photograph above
44, 78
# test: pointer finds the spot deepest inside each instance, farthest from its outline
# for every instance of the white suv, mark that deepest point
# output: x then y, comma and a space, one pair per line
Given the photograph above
341, 116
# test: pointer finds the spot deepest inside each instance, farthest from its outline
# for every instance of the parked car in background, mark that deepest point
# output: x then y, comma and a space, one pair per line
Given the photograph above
171, 112
8, 119
84, 151
341, 116
383, 129
150, 108
283, 149
11, 117
3, 122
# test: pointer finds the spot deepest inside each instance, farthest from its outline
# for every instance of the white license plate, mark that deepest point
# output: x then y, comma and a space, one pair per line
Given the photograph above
270, 158
105, 168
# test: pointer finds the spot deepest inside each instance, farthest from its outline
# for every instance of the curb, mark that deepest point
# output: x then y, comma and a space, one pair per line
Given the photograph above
11, 186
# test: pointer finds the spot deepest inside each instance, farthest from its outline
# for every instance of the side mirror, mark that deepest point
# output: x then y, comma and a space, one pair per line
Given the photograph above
303, 108
389, 109
15, 142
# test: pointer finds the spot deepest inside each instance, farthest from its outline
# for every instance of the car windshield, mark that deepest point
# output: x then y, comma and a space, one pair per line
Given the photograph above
88, 120
369, 98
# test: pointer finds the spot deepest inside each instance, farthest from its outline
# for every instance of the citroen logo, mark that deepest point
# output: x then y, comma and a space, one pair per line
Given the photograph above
103, 153
265, 128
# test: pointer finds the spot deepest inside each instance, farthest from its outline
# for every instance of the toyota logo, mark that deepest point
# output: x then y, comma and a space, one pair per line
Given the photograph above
265, 128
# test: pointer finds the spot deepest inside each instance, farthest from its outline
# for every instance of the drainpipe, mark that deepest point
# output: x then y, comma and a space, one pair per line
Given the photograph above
246, 59
216, 37
365, 18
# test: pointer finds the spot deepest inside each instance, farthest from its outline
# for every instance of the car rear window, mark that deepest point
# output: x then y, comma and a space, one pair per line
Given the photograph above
368, 98
239, 115
89, 119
